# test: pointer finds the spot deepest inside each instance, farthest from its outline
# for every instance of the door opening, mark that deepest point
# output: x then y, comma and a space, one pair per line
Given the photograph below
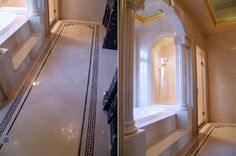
201, 85
53, 11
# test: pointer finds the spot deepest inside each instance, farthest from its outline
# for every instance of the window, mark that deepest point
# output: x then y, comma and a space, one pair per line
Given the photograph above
14, 3
163, 72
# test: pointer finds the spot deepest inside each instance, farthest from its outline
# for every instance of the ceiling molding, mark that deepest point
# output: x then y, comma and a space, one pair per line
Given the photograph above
148, 19
219, 22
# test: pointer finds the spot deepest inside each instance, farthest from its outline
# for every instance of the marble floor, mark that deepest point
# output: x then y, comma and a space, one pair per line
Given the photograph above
220, 142
56, 112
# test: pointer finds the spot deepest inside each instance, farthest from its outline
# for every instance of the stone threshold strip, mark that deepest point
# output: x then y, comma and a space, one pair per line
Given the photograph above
25, 90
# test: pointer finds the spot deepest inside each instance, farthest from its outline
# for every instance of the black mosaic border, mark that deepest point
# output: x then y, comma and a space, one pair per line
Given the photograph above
89, 149
87, 90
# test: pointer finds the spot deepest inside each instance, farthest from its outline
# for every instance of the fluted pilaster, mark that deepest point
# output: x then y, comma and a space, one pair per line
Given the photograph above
33, 8
182, 48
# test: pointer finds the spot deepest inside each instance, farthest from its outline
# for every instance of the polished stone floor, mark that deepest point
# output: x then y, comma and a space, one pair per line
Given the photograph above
220, 142
51, 119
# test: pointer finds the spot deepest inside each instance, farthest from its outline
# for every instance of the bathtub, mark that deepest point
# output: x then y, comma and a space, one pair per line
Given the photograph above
6, 20
144, 113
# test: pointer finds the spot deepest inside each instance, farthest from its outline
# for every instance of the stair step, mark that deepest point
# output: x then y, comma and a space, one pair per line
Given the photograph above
159, 127
24, 50
160, 148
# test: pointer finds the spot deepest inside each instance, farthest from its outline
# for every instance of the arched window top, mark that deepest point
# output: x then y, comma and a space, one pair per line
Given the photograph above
163, 72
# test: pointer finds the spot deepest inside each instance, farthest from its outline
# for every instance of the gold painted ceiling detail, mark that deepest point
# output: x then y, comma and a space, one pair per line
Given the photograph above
148, 15
223, 12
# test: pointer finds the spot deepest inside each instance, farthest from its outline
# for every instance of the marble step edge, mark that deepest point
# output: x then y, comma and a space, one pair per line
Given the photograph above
23, 50
172, 142
191, 148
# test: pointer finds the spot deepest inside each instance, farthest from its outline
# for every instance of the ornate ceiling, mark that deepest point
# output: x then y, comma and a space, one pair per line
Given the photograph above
149, 14
222, 11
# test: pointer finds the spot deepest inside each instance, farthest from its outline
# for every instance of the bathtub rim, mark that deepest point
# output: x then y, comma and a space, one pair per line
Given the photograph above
168, 111
3, 30
16, 24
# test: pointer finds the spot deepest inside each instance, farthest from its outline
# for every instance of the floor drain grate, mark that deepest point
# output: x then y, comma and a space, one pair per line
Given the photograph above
5, 140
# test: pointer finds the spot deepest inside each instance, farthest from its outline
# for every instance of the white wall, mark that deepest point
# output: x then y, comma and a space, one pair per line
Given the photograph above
191, 27
222, 77
85, 10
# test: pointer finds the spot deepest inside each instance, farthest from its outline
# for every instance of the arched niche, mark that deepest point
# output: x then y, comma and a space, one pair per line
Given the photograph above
146, 35
163, 72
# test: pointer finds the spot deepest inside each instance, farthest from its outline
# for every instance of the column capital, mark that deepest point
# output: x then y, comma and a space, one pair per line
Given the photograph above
33, 8
184, 41
136, 4
170, 2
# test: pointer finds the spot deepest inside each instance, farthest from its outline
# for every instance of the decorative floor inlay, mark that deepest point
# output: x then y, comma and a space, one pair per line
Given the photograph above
93, 101
214, 139
18, 103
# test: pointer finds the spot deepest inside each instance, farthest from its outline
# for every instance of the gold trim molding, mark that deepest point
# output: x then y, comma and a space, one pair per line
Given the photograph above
148, 19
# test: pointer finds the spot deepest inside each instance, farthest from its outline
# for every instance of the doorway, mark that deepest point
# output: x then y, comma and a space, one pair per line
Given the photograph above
53, 11
201, 85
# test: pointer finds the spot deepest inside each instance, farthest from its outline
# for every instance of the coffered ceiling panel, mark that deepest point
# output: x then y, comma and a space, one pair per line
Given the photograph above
222, 11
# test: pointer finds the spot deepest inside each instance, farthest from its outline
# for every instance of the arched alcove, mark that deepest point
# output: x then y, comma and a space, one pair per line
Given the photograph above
158, 59
163, 72
146, 35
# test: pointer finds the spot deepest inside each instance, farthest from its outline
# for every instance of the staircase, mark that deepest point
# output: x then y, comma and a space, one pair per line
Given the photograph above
163, 138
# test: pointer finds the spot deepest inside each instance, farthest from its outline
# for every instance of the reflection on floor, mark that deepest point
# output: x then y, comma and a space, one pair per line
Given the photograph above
53, 119
220, 142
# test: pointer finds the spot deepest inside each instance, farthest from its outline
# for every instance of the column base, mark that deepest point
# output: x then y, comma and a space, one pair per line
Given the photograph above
184, 119
130, 128
34, 13
134, 145
183, 108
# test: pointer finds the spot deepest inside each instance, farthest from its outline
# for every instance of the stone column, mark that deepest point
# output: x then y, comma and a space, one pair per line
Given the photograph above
183, 46
127, 70
33, 8
133, 140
